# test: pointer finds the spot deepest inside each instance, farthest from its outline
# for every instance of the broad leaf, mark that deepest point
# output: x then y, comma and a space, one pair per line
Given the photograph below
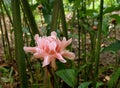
114, 47
68, 76
114, 78
84, 85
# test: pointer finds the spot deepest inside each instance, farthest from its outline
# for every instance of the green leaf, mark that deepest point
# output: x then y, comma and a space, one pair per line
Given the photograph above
4, 79
0, 86
71, 1
25, 30
105, 26
84, 85
82, 67
33, 7
7, 3
114, 47
114, 78
99, 84
68, 76
118, 1
117, 17
91, 12
111, 9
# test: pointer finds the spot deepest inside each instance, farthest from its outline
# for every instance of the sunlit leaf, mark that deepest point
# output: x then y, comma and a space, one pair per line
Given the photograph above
84, 85
114, 78
68, 76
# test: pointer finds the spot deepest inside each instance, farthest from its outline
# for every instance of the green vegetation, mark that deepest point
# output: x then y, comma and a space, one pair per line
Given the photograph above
93, 26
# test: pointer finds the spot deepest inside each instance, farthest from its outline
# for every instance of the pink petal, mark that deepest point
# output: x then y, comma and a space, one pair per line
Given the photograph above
39, 55
36, 37
46, 61
68, 55
68, 42
52, 47
65, 43
53, 34
60, 58
30, 49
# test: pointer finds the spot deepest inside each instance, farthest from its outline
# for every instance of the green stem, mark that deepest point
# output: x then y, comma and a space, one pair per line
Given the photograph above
93, 9
28, 25
78, 18
63, 20
47, 78
30, 17
54, 80
98, 43
55, 15
20, 55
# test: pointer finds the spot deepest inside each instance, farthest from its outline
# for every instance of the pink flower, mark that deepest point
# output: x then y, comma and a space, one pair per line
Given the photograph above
51, 48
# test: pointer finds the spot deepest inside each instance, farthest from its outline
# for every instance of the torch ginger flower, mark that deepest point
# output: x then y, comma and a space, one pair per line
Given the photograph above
50, 48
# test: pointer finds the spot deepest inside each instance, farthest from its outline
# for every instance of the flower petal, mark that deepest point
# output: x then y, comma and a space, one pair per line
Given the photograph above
52, 47
46, 61
53, 34
36, 37
60, 58
39, 55
30, 49
65, 43
68, 42
68, 54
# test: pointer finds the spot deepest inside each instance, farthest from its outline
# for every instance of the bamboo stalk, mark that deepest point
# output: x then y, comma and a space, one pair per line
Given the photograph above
19, 53
54, 16
63, 20
98, 43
